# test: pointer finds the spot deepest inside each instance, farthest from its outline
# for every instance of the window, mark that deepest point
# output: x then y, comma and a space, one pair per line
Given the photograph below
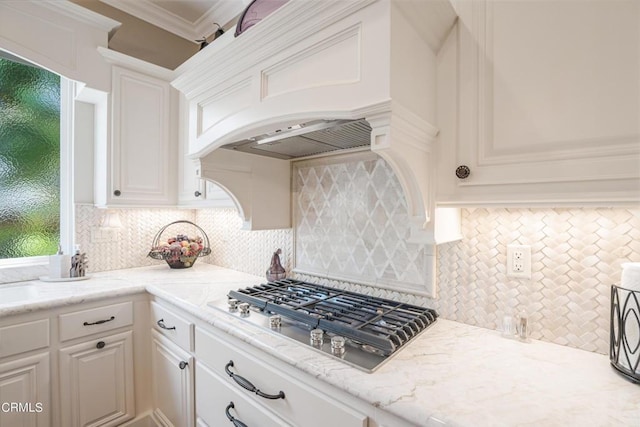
29, 159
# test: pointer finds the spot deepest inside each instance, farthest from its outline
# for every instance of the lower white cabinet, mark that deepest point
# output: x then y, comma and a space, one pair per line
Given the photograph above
24, 392
219, 404
289, 401
172, 383
96, 382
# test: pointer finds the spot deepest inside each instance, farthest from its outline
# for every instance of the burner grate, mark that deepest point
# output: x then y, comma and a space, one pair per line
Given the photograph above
381, 323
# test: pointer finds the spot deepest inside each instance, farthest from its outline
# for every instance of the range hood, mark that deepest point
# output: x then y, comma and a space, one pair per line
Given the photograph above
307, 139
315, 78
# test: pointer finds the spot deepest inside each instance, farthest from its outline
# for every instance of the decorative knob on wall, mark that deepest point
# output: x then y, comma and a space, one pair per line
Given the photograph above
463, 172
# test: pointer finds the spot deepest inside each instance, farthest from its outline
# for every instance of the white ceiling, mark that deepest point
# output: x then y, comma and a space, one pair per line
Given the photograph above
190, 19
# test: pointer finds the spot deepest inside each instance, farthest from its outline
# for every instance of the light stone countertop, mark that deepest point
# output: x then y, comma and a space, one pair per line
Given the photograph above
455, 373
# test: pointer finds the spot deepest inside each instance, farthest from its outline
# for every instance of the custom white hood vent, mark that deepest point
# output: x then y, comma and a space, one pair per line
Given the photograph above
328, 75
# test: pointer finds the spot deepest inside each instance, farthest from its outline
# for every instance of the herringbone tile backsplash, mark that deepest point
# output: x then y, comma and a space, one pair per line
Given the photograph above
134, 238
576, 256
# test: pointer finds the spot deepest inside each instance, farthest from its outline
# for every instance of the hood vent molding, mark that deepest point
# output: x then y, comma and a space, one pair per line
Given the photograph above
346, 63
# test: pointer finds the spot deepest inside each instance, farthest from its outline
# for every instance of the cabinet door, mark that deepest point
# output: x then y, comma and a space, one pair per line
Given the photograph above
215, 398
192, 189
172, 383
141, 170
96, 382
548, 101
24, 392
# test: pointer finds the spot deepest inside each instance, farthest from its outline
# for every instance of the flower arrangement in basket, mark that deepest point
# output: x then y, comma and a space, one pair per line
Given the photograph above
181, 250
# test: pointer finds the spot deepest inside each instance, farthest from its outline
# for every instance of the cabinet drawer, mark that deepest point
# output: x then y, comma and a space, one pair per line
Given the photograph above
95, 320
172, 326
23, 337
213, 397
301, 406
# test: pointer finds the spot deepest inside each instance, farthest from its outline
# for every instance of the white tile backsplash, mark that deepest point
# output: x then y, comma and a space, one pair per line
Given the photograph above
576, 257
351, 223
576, 253
242, 250
134, 238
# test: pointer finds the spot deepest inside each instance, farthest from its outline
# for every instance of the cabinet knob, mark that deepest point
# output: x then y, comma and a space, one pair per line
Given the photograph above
197, 193
182, 365
100, 344
117, 193
463, 172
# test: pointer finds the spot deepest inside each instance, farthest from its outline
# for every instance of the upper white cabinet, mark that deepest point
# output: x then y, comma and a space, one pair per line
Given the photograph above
541, 101
136, 166
193, 190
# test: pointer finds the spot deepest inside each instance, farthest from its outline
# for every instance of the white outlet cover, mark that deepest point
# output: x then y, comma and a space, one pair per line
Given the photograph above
526, 261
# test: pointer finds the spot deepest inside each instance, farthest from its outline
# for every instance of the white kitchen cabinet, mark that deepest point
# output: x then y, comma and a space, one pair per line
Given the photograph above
193, 190
293, 401
24, 377
172, 371
136, 165
541, 101
216, 400
141, 147
96, 381
25, 382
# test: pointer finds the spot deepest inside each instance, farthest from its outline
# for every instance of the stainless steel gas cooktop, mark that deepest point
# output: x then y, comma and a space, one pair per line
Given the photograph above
361, 330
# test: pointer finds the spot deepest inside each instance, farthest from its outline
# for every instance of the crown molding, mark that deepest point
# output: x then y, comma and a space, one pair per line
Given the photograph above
221, 12
135, 64
81, 14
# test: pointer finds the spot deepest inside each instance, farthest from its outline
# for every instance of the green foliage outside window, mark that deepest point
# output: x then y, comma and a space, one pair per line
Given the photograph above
29, 160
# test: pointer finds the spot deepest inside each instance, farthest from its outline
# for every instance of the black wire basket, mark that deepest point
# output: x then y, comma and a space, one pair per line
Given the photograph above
624, 343
181, 250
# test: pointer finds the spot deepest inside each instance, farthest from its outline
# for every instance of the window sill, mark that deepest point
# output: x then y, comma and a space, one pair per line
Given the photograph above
21, 269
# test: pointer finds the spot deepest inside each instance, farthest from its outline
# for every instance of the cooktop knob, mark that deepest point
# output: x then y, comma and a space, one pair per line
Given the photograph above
244, 309
317, 337
338, 345
275, 321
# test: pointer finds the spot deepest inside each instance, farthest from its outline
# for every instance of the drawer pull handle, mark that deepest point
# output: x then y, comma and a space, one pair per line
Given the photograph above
163, 326
246, 384
99, 322
182, 365
236, 422
100, 344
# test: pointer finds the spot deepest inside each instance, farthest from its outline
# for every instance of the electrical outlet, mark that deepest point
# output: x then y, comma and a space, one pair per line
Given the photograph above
104, 235
519, 261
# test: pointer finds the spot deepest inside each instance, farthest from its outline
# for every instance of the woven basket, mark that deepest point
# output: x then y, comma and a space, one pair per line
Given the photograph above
180, 251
